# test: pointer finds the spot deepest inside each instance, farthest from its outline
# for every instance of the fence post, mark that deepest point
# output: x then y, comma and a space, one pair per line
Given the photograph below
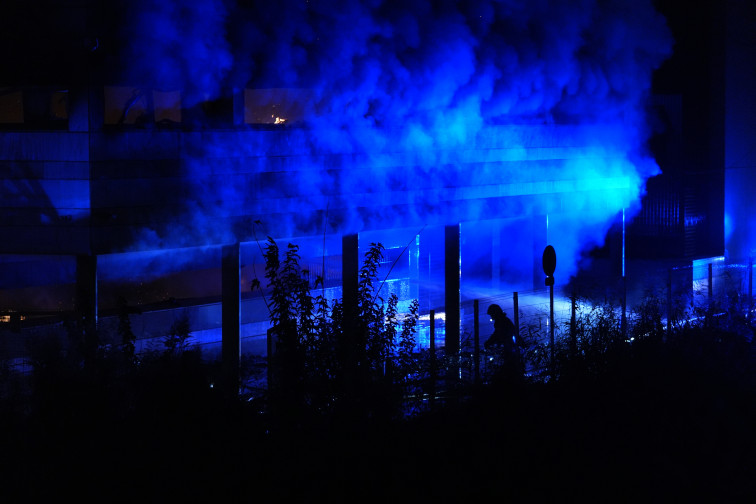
231, 319
623, 320
669, 302
516, 309
354, 347
476, 339
432, 337
551, 329
750, 286
452, 308
573, 329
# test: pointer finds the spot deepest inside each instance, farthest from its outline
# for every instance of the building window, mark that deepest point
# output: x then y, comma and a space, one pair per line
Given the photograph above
34, 107
130, 106
276, 106
167, 106
11, 106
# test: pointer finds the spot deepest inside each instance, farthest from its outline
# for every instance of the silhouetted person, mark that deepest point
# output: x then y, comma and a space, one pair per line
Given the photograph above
503, 339
503, 328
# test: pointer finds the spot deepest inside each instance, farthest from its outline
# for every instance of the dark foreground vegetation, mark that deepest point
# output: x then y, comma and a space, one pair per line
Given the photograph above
630, 415
670, 421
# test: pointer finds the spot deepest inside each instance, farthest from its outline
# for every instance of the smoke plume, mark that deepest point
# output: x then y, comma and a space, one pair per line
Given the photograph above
399, 95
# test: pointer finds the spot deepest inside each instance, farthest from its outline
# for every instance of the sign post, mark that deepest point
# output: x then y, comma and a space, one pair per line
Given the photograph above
549, 266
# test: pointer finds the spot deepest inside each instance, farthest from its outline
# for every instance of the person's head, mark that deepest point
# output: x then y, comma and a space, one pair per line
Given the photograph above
495, 311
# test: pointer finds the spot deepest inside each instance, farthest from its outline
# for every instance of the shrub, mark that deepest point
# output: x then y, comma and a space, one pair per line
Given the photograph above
325, 363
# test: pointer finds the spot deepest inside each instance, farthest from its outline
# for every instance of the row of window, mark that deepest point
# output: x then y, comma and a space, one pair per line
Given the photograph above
48, 108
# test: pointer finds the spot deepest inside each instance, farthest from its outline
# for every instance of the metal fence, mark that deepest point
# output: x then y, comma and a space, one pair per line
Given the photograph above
680, 294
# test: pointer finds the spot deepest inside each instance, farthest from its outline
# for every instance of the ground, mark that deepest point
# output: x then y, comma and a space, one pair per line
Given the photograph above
636, 434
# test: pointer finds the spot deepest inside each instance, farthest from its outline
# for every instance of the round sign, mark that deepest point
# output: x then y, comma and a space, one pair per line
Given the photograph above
549, 260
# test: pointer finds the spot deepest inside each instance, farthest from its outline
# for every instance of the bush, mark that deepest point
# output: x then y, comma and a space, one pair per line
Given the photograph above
324, 363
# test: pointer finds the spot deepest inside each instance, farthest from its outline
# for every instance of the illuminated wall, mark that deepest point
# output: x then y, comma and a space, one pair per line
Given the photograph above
166, 190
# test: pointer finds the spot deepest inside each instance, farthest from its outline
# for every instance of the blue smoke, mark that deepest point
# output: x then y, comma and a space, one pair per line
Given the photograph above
177, 45
413, 94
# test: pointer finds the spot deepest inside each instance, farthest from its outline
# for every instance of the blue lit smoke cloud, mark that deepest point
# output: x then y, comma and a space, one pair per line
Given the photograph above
402, 89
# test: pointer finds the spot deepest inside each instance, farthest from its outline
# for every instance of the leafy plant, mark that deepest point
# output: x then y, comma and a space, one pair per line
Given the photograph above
175, 340
324, 362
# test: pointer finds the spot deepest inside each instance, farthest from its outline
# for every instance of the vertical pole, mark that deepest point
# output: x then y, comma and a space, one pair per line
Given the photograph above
452, 285
750, 286
352, 344
414, 274
432, 335
516, 309
350, 262
624, 282
432, 338
623, 320
551, 326
623, 243
230, 319
669, 302
273, 375
476, 338
573, 321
